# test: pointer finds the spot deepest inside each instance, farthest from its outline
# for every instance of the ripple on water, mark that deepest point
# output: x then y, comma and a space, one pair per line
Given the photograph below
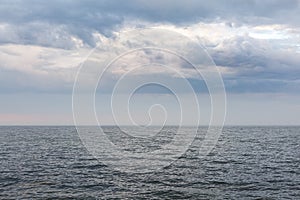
248, 163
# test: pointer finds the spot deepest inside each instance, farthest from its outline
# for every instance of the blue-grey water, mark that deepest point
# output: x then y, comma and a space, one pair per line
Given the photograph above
247, 163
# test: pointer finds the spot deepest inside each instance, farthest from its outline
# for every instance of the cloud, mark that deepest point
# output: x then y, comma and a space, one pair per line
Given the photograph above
55, 23
44, 34
38, 69
253, 43
247, 64
257, 65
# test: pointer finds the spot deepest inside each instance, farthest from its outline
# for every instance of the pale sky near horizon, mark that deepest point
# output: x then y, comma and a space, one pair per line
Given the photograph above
254, 44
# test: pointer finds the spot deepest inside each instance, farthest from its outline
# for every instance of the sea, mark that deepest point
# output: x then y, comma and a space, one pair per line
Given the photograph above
51, 162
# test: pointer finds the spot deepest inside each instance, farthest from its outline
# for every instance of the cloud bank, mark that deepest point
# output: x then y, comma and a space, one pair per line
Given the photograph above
255, 44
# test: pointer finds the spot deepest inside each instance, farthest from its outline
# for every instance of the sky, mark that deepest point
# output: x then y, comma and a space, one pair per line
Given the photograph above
255, 46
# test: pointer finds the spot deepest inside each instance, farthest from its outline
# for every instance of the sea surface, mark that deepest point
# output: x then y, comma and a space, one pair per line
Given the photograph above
247, 163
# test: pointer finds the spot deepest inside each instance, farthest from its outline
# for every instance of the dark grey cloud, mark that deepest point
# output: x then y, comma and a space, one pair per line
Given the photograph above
42, 34
52, 23
249, 56
82, 18
99, 13
257, 65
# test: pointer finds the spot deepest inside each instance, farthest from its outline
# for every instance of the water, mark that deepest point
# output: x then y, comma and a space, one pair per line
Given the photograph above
247, 163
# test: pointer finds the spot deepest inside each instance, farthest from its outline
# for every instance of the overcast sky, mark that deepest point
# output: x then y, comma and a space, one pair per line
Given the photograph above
254, 44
